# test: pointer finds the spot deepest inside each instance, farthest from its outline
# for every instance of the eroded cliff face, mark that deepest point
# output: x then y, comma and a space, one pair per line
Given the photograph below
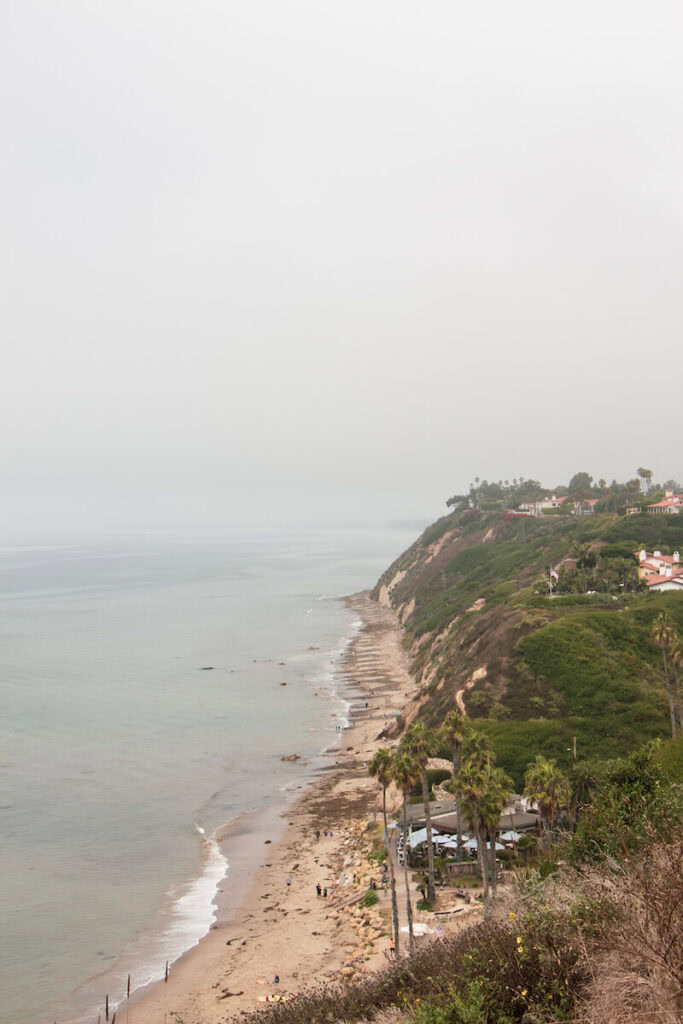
534, 672
455, 640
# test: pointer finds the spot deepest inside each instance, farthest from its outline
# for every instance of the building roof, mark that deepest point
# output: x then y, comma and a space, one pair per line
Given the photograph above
677, 499
675, 577
415, 813
444, 818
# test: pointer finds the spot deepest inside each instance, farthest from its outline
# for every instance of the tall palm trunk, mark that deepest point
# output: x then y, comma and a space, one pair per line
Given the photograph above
430, 847
409, 906
670, 695
494, 878
677, 693
483, 867
392, 880
458, 825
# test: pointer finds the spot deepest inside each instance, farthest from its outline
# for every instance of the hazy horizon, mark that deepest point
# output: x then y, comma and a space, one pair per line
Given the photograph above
302, 261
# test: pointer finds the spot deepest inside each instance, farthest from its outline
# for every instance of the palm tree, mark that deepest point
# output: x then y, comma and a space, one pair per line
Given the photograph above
476, 748
498, 785
405, 774
420, 744
662, 637
583, 554
548, 787
471, 787
453, 732
676, 655
380, 768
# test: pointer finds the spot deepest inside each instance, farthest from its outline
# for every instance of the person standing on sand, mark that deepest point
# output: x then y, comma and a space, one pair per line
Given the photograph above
318, 889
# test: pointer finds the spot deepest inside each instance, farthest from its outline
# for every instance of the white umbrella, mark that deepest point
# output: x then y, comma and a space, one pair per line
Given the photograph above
511, 836
420, 836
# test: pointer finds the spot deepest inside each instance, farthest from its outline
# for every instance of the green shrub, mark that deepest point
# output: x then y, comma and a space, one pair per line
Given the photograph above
370, 899
670, 758
633, 805
467, 1008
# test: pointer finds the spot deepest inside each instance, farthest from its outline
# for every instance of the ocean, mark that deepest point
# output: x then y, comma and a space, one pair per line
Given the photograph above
142, 711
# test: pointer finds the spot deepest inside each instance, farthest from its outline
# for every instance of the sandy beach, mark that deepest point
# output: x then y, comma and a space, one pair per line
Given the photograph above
281, 927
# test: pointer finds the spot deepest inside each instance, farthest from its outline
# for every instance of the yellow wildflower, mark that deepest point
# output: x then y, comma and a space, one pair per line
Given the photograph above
524, 991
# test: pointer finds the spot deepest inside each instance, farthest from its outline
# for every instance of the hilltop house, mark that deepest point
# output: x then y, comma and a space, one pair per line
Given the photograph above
538, 508
671, 505
656, 564
672, 579
660, 572
544, 505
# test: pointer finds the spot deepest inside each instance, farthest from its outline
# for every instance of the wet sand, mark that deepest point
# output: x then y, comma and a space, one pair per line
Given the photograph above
286, 929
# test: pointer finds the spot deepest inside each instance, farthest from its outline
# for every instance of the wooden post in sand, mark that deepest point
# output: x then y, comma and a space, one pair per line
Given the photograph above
106, 1007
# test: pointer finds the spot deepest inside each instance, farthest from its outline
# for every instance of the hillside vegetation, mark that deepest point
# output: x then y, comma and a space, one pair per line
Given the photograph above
535, 670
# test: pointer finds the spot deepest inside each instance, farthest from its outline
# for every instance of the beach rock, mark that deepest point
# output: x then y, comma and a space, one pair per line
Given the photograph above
289, 757
283, 684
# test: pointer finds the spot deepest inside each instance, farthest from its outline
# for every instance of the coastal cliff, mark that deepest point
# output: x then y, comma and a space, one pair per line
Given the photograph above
484, 636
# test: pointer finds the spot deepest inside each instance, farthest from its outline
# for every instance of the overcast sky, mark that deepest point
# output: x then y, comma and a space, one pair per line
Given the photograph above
316, 256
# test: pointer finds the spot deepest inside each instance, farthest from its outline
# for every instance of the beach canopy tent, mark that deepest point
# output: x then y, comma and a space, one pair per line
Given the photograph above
452, 842
419, 836
511, 836
471, 844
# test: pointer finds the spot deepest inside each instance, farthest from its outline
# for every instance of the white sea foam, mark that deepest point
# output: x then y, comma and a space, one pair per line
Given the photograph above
195, 911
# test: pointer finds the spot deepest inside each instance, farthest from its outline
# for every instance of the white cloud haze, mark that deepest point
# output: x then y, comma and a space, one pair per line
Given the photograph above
332, 257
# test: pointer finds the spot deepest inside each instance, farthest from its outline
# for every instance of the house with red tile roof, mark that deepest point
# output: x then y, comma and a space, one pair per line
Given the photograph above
671, 579
671, 504
657, 564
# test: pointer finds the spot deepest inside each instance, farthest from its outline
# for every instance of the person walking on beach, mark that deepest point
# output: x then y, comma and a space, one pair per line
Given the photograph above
325, 893
318, 889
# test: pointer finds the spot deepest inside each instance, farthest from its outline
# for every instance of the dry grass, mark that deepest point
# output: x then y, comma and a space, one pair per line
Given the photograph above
603, 946
636, 953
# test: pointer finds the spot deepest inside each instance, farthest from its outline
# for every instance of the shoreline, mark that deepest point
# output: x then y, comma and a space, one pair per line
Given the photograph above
264, 926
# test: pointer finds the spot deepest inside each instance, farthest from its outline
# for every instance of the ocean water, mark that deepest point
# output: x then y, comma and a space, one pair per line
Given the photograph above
141, 710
